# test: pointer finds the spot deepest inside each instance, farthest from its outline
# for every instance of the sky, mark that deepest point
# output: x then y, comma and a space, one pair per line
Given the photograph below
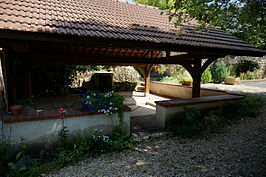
128, 0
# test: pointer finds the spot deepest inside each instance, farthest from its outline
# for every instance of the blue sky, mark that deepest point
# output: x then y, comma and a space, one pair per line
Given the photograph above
128, 0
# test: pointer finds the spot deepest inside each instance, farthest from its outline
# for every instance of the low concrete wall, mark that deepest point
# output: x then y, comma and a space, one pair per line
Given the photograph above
179, 91
46, 131
168, 110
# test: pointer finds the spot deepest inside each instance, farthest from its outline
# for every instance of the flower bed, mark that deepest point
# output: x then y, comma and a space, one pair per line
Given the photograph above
106, 103
99, 111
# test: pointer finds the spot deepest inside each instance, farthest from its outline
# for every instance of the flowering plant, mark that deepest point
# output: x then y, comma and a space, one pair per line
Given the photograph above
106, 103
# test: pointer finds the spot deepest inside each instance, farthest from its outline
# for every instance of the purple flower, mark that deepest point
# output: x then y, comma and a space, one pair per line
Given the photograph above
97, 101
90, 109
83, 94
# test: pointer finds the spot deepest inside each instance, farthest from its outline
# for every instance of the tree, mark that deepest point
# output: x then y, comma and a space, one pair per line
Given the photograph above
243, 18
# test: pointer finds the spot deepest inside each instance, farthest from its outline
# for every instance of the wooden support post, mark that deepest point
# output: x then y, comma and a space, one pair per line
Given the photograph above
28, 82
11, 91
196, 78
147, 84
4, 81
147, 79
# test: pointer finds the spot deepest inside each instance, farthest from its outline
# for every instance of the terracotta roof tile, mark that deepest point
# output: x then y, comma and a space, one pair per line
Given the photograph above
108, 19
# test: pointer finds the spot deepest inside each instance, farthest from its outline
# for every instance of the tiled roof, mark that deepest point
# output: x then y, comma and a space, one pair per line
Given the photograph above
110, 19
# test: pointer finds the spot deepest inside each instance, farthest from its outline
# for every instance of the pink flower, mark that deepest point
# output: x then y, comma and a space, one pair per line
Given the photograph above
62, 111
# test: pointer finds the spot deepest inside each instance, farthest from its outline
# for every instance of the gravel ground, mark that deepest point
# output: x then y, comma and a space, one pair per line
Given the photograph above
237, 88
236, 149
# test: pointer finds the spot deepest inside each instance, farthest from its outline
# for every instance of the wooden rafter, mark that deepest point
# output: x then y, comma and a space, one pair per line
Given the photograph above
208, 62
58, 58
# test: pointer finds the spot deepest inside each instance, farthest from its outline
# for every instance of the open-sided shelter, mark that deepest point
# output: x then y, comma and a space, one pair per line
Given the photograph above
107, 32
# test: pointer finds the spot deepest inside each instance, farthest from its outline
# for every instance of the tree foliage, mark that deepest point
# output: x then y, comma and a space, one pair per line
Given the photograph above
243, 18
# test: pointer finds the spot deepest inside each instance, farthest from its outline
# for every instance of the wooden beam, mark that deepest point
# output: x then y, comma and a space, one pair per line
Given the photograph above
4, 82
196, 79
140, 69
28, 81
208, 62
147, 79
11, 91
147, 52
189, 68
66, 58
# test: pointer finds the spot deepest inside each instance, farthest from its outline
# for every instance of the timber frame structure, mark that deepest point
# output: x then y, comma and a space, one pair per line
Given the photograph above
101, 32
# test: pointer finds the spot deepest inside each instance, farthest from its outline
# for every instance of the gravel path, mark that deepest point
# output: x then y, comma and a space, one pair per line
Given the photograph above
236, 149
238, 88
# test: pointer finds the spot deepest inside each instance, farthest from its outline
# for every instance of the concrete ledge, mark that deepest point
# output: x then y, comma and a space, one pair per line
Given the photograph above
168, 110
192, 101
179, 91
46, 131
48, 114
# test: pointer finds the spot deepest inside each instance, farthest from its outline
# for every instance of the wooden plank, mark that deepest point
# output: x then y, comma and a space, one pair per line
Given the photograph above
109, 51
122, 52
140, 53
129, 52
103, 51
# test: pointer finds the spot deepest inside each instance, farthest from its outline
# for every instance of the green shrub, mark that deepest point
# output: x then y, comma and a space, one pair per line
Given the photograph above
120, 141
232, 70
219, 71
250, 75
70, 149
170, 79
7, 154
206, 76
125, 78
13, 160
249, 106
80, 146
126, 74
186, 79
191, 122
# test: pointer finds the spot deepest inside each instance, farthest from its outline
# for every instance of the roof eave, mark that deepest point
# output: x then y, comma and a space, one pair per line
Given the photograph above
12, 35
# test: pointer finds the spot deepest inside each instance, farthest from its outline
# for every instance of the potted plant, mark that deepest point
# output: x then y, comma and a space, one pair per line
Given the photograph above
231, 80
186, 81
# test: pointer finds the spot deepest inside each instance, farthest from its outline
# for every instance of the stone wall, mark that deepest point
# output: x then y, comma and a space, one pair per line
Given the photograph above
46, 131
